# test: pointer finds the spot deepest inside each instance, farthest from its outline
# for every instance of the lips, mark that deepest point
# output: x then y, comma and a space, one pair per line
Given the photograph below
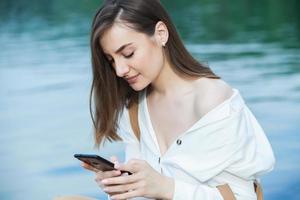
132, 79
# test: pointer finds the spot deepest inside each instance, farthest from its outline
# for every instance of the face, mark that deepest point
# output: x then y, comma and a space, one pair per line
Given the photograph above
135, 56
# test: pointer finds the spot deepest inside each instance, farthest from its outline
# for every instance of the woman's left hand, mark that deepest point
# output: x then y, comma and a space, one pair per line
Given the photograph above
143, 182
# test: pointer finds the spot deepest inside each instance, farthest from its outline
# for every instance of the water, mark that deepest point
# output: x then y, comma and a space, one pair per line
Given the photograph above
45, 79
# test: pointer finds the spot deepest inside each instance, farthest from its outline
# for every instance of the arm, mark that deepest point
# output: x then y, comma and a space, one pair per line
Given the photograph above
146, 182
192, 192
181, 191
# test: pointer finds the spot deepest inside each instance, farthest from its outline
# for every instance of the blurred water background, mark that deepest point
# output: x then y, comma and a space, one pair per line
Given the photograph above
45, 77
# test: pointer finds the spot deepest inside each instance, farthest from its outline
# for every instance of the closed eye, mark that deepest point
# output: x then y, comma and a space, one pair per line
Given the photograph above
129, 56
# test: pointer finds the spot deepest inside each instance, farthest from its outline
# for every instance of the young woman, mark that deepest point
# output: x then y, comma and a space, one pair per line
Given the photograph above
198, 139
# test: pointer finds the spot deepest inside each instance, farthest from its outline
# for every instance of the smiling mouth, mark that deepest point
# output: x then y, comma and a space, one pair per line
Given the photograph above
132, 79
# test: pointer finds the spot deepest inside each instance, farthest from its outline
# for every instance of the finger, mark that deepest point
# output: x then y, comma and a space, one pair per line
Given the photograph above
120, 188
109, 174
111, 194
99, 176
99, 183
133, 165
127, 195
120, 180
113, 159
89, 167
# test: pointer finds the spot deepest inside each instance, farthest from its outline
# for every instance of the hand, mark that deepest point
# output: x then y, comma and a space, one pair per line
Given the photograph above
100, 175
144, 182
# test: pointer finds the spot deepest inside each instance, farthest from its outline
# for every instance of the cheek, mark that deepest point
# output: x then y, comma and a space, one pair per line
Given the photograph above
151, 62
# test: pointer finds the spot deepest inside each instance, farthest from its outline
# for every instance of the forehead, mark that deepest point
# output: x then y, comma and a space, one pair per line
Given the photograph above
118, 35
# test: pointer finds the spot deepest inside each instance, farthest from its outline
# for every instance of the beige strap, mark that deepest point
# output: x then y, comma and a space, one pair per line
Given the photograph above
226, 192
258, 191
134, 121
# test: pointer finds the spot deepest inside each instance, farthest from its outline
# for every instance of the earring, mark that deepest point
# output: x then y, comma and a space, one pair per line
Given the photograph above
163, 44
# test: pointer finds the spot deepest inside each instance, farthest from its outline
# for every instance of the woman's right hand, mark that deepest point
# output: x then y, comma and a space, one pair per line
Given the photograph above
100, 175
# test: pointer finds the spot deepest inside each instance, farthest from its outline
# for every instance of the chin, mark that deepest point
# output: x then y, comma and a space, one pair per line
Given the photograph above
138, 87
135, 88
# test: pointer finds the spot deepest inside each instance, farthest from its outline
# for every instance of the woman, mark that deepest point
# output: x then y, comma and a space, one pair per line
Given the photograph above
197, 135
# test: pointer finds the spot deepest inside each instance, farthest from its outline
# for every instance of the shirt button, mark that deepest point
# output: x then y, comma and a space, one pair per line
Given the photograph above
179, 142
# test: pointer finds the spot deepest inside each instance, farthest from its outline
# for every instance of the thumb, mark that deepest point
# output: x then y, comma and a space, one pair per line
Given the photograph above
114, 159
132, 166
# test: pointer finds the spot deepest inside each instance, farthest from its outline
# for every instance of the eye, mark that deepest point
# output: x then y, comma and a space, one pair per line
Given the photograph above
128, 56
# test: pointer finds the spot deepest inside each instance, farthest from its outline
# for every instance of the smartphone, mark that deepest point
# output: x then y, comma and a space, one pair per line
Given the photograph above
98, 162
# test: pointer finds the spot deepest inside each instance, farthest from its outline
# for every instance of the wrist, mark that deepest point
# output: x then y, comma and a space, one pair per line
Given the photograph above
168, 188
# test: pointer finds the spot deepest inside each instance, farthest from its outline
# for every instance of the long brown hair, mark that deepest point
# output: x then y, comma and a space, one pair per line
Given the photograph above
111, 93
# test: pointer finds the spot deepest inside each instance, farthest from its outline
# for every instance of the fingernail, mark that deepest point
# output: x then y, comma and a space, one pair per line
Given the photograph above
117, 165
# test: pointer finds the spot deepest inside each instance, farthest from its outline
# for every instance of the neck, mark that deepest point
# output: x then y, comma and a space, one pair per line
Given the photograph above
168, 83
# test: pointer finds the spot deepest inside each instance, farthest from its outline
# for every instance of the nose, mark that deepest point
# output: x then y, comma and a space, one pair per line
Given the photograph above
121, 69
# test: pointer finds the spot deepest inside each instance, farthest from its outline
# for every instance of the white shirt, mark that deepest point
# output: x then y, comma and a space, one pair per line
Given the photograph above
226, 145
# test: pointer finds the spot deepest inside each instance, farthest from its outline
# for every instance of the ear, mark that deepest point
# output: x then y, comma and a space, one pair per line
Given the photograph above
161, 33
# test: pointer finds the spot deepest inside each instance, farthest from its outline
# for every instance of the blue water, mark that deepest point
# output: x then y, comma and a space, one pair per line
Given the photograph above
45, 78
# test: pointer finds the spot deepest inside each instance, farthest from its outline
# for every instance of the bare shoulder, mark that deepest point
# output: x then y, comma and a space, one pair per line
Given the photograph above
211, 93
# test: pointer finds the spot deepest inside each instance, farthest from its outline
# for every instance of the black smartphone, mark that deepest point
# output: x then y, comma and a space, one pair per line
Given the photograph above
98, 162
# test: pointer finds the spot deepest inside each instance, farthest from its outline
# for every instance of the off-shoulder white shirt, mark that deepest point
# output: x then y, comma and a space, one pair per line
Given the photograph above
226, 145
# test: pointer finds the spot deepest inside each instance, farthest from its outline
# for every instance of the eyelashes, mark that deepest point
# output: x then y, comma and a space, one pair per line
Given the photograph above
129, 56
111, 61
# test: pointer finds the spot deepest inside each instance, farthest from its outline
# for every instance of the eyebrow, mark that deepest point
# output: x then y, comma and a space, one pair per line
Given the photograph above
122, 47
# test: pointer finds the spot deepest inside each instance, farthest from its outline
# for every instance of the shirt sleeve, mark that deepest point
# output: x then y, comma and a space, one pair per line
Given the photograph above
234, 143
253, 156
184, 191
